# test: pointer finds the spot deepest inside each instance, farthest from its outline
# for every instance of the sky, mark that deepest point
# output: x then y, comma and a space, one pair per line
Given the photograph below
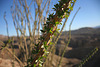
88, 15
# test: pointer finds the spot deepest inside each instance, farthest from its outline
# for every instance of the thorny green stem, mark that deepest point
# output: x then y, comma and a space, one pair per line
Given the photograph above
91, 54
41, 52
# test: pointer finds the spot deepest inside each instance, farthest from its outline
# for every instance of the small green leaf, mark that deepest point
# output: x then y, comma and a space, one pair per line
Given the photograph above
50, 31
51, 43
45, 45
42, 31
60, 23
55, 34
74, 0
44, 56
34, 65
54, 8
40, 58
46, 52
61, 16
66, 16
51, 28
45, 42
58, 29
58, 1
57, 22
34, 52
71, 8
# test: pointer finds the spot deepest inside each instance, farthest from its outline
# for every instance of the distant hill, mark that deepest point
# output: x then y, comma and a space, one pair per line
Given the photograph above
97, 26
83, 41
83, 37
85, 30
3, 37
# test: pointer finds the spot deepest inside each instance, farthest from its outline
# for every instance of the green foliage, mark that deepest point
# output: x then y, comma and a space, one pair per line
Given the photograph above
71, 8
66, 16
55, 34
34, 65
51, 43
74, 0
57, 22
51, 30
42, 31
45, 42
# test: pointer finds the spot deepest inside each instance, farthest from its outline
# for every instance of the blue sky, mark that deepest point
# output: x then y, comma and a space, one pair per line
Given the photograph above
88, 16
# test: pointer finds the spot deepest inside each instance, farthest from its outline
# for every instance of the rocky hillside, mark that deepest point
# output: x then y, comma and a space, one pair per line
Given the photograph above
83, 41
